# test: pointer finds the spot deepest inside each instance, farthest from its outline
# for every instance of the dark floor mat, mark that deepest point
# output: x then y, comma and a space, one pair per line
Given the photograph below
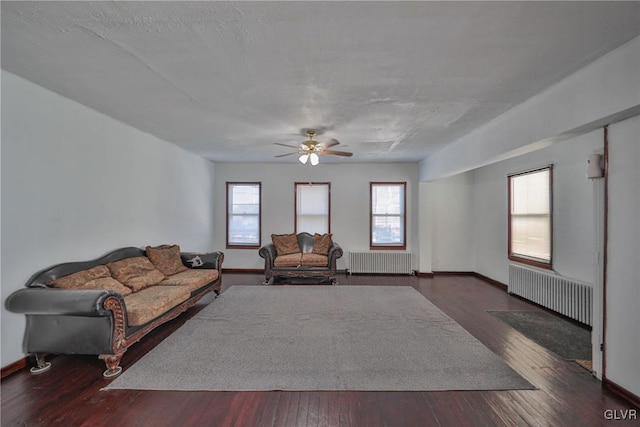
562, 337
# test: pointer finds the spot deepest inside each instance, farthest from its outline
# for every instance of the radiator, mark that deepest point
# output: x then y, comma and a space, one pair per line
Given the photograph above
560, 294
389, 262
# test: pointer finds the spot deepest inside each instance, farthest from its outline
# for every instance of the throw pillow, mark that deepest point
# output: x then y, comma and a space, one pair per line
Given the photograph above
103, 284
285, 243
322, 243
202, 260
76, 280
136, 273
166, 259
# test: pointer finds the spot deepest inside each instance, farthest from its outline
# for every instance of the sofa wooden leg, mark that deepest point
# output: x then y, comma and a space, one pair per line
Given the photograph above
112, 361
41, 364
268, 281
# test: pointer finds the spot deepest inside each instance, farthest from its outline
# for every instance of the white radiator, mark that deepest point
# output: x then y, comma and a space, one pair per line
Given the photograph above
386, 262
560, 294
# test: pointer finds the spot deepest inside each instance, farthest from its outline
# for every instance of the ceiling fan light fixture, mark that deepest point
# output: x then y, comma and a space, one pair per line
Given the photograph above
309, 151
314, 159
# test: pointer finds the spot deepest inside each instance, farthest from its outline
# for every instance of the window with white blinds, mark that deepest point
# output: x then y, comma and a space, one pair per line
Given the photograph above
388, 223
530, 217
313, 203
243, 215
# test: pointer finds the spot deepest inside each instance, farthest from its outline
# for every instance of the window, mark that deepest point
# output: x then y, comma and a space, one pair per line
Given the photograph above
388, 221
243, 215
530, 219
313, 204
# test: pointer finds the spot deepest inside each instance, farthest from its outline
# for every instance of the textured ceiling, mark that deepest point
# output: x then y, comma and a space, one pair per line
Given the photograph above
393, 81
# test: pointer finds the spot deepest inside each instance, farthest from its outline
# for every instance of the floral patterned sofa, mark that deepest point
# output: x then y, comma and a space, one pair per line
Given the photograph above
105, 305
300, 256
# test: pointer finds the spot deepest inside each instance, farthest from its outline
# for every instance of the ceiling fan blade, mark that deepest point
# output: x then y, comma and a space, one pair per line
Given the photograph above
283, 155
336, 153
288, 145
332, 143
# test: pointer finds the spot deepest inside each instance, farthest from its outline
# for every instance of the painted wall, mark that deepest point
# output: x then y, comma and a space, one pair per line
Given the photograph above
463, 218
623, 267
349, 202
426, 223
573, 209
448, 224
77, 184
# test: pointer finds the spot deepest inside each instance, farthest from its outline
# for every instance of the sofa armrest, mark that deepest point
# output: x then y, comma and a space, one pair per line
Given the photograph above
268, 252
197, 260
70, 302
335, 252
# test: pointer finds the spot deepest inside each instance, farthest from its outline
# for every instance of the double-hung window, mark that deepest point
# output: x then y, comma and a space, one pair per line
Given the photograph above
387, 220
530, 217
313, 207
243, 215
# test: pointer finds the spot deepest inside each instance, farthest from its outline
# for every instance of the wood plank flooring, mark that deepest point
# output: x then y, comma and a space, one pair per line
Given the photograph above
69, 394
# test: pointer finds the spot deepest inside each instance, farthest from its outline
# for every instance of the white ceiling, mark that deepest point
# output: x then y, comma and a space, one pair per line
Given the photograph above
392, 81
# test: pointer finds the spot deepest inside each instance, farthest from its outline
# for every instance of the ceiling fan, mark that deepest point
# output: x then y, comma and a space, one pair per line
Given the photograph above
310, 150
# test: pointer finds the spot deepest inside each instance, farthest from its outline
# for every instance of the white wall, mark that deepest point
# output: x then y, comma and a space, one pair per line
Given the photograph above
77, 184
573, 209
446, 224
463, 221
349, 202
623, 266
426, 222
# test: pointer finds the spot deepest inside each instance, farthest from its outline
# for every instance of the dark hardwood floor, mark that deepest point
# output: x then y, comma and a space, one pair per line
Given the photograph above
70, 394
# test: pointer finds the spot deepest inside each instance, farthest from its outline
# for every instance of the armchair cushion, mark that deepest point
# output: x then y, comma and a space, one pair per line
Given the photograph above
289, 260
136, 273
321, 244
285, 243
314, 260
166, 259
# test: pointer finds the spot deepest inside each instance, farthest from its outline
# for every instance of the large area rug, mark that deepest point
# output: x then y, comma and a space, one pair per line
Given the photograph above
567, 340
367, 338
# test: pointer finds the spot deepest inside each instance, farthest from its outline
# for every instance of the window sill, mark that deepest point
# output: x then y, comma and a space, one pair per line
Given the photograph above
388, 248
243, 246
532, 262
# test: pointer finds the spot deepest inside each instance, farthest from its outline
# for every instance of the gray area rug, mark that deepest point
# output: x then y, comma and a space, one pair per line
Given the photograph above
320, 338
567, 340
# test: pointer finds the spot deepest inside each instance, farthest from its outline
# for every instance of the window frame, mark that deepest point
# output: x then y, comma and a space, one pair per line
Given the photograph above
230, 245
403, 245
295, 203
520, 258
